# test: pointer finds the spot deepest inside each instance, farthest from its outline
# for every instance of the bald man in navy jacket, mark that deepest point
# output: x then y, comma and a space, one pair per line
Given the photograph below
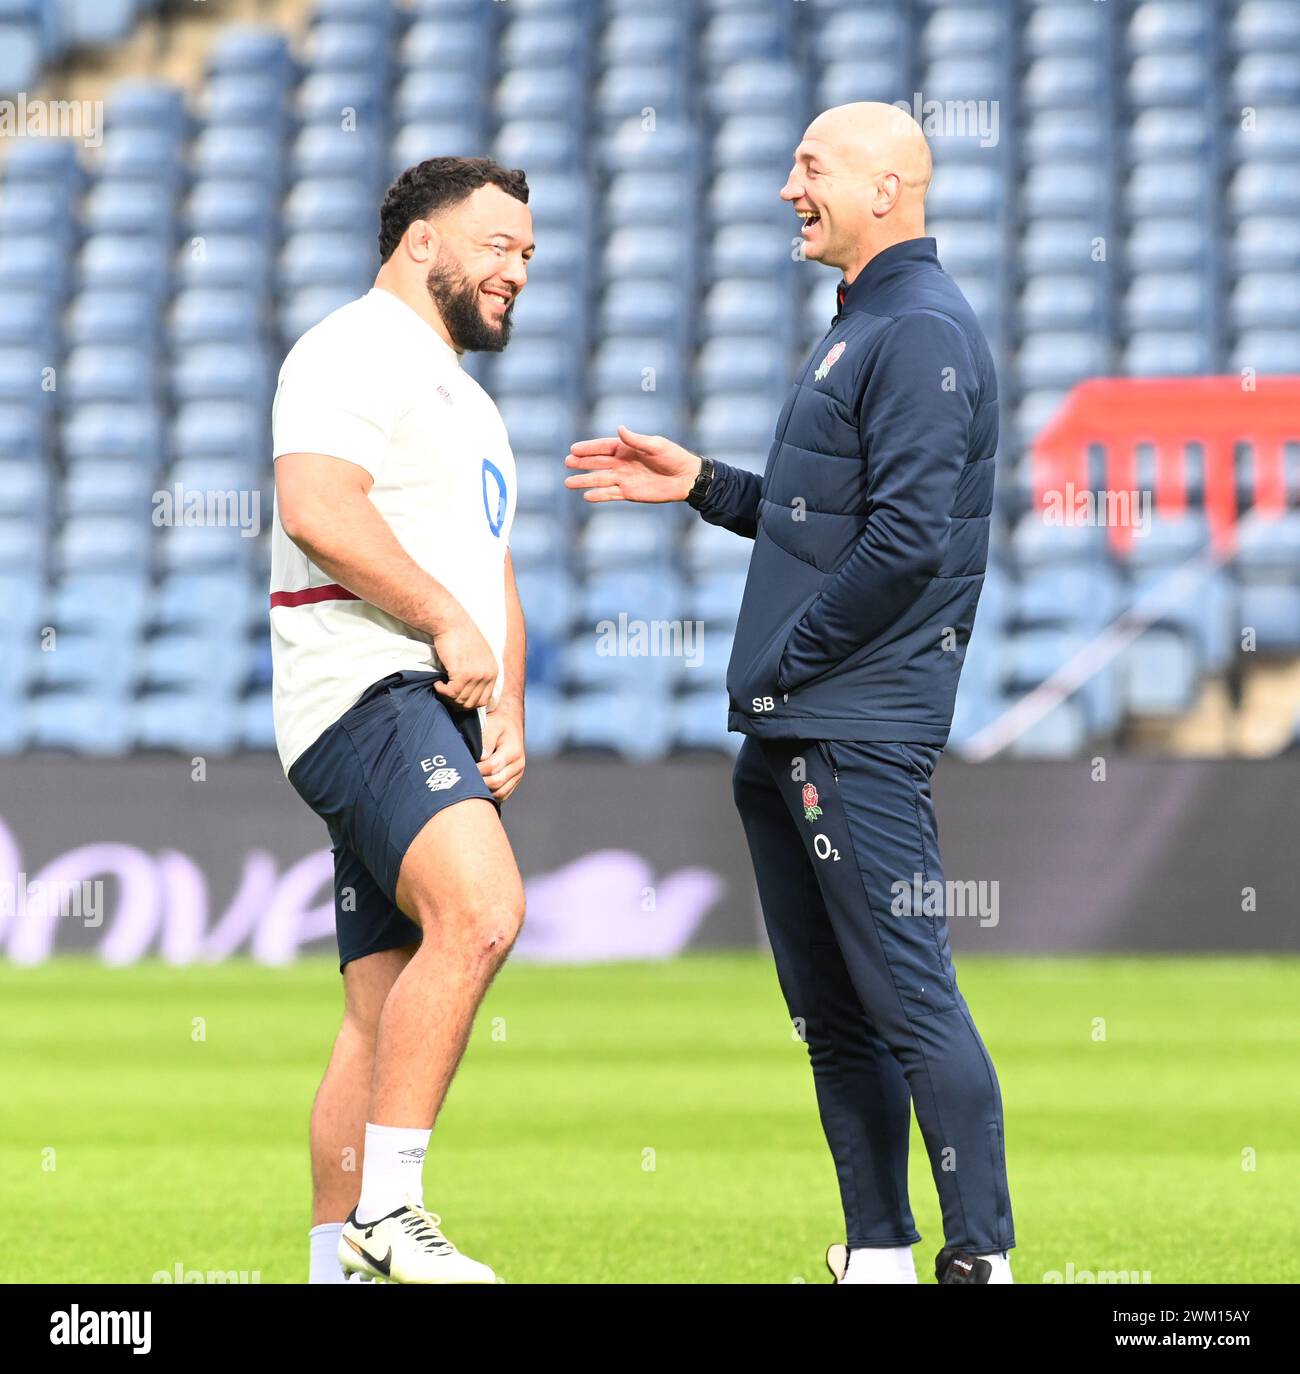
870, 529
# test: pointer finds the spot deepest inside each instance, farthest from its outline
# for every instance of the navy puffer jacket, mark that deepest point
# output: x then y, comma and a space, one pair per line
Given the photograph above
871, 521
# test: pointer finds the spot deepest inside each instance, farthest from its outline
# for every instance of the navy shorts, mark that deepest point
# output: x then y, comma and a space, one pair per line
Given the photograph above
375, 777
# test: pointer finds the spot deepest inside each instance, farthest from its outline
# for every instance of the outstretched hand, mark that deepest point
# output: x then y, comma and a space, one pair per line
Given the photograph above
632, 467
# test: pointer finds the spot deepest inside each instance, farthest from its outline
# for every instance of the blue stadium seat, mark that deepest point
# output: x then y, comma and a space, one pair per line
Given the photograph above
1036, 543
1058, 358
1167, 353
538, 93
1268, 557
446, 44
105, 603
108, 486
132, 430
126, 262
48, 162
1267, 350
120, 207
221, 372
244, 99
536, 367
1063, 80
87, 721
251, 49
768, 247
730, 419
550, 310
1074, 302
346, 100
632, 724
729, 39
324, 150
197, 720
749, 305
1064, 29
242, 208
229, 261
256, 723
1266, 241
621, 536
547, 42
742, 362
1166, 300
1168, 78
1266, 26
229, 316
626, 93
543, 425
645, 37
102, 317
629, 363
109, 372
699, 724
222, 429
1266, 300
330, 207
712, 550
30, 262
749, 86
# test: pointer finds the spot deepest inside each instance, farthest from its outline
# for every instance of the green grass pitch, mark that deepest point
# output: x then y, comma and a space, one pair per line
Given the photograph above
646, 1123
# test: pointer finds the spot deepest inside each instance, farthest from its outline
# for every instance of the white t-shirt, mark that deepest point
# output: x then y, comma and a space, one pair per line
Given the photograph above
375, 384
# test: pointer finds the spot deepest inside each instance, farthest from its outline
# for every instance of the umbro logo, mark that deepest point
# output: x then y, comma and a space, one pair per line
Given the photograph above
441, 779
417, 1153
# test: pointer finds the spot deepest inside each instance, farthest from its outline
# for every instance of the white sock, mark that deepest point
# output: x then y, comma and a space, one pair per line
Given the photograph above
325, 1253
392, 1170
890, 1264
1001, 1267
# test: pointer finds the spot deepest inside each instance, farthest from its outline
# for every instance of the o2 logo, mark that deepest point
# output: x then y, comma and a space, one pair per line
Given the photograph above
495, 497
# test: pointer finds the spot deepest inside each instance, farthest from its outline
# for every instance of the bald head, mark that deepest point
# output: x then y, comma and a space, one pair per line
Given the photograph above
859, 180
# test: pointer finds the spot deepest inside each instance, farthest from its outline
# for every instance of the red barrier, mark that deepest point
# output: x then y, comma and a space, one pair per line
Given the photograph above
1217, 413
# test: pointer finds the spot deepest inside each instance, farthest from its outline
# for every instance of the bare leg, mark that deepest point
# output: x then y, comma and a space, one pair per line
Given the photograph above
460, 883
338, 1115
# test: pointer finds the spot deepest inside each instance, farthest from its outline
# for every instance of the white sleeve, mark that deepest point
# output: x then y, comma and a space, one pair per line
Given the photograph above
343, 405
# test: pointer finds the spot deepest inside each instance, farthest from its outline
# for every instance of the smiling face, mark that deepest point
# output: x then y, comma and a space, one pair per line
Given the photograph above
858, 183
485, 243
833, 200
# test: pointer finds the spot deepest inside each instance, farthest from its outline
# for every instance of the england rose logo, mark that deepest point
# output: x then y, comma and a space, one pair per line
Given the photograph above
810, 808
829, 361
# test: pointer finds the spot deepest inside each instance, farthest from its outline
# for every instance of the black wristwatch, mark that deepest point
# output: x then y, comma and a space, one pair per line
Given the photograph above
695, 497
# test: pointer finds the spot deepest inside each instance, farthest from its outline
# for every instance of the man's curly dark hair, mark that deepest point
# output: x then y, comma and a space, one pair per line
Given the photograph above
421, 191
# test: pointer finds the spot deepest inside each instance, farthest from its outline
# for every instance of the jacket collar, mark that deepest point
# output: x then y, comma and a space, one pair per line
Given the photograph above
886, 268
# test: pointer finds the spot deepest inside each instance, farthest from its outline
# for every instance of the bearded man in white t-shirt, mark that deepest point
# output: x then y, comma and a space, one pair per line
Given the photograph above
398, 645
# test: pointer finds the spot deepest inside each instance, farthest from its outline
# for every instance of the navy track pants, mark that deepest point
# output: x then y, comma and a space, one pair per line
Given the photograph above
836, 831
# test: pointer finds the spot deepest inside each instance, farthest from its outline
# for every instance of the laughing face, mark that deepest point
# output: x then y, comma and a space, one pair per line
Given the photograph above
858, 183
484, 246
829, 199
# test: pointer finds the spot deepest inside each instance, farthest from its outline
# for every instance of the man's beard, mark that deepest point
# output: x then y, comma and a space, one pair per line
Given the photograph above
457, 301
